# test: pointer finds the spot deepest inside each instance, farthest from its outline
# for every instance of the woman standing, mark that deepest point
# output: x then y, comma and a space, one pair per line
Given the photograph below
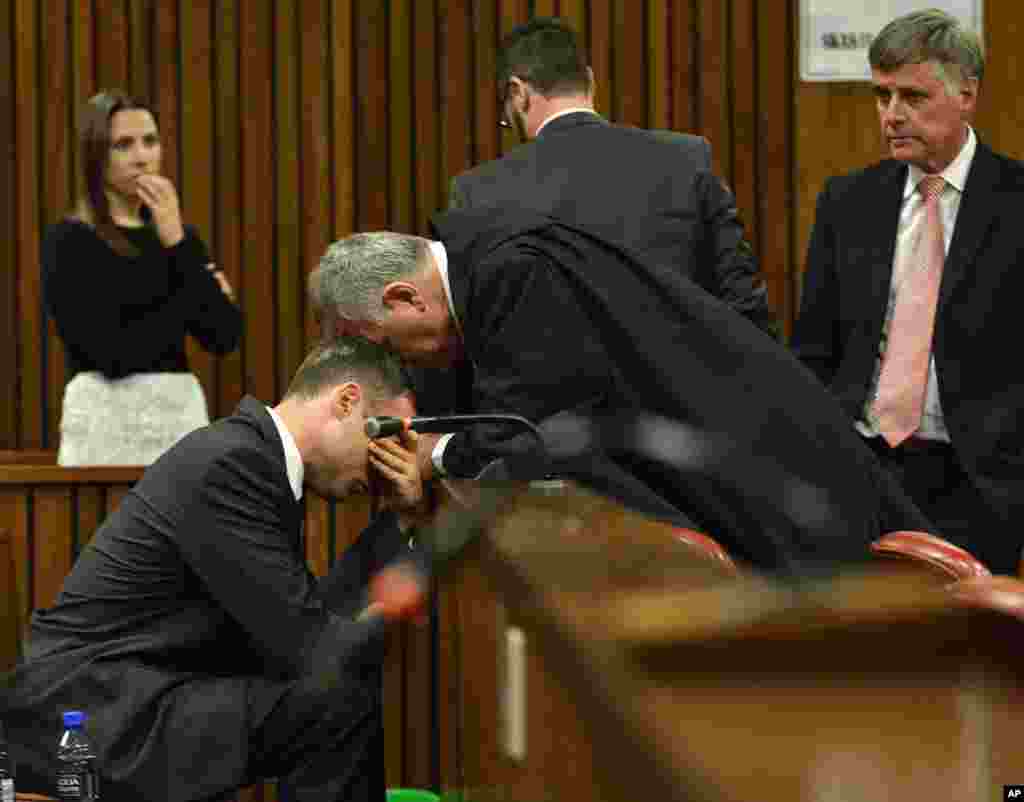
125, 280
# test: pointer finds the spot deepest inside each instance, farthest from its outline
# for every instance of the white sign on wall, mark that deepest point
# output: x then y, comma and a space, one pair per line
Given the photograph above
835, 34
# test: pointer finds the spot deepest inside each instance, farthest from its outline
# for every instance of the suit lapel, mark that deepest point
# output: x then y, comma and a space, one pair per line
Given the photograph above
882, 213
976, 213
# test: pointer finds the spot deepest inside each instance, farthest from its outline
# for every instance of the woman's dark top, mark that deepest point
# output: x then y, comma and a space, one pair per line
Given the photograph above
120, 315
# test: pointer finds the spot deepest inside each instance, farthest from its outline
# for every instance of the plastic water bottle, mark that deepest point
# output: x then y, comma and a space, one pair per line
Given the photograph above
77, 778
6, 775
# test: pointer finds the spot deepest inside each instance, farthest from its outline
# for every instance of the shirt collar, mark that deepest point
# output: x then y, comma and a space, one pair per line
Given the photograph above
292, 458
956, 171
440, 255
562, 113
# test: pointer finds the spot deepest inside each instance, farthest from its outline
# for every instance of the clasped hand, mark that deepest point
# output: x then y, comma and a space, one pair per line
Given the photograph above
159, 194
399, 484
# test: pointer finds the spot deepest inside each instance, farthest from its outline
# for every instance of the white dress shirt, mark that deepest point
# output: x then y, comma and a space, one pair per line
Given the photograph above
912, 219
562, 113
292, 458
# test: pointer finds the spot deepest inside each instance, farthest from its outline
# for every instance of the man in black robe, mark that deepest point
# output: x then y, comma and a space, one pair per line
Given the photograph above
716, 427
191, 631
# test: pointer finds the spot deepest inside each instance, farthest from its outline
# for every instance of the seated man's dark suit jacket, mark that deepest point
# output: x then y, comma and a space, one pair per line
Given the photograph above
556, 320
190, 609
981, 380
652, 192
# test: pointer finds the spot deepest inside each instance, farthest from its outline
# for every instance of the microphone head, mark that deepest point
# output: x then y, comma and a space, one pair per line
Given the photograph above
383, 426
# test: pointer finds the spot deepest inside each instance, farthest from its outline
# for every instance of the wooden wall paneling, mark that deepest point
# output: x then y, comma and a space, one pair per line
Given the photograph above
197, 184
317, 534
257, 208
743, 119
431, 191
682, 65
91, 511
166, 84
58, 188
456, 110
1000, 115
575, 13
487, 133
112, 57
401, 203
226, 236
372, 152
115, 495
9, 328
545, 8
10, 630
289, 342
512, 13
658, 34
629, 56
315, 131
342, 117
14, 516
140, 48
775, 166
51, 541
714, 83
27, 184
83, 75
600, 37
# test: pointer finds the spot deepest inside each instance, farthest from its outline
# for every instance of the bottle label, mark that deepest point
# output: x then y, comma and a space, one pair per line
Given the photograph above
78, 786
7, 790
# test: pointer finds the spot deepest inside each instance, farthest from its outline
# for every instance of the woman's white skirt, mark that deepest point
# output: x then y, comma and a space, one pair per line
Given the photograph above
129, 421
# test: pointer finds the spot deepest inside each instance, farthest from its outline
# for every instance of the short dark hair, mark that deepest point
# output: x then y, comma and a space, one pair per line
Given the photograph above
544, 53
342, 359
929, 35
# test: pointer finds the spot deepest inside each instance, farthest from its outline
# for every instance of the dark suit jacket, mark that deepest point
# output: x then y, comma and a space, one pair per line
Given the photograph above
651, 192
846, 289
191, 608
556, 320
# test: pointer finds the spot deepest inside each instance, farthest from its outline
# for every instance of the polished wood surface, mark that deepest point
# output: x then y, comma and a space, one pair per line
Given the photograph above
870, 687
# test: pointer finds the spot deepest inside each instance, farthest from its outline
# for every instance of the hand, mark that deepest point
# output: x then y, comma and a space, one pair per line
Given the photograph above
222, 281
395, 463
159, 194
425, 455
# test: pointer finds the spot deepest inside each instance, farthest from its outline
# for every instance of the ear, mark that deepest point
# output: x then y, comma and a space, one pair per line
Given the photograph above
345, 399
968, 95
398, 293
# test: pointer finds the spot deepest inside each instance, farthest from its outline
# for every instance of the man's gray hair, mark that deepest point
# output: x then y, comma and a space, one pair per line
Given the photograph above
929, 35
353, 272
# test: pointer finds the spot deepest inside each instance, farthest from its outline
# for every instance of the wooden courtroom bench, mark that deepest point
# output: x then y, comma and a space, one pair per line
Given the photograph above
49, 513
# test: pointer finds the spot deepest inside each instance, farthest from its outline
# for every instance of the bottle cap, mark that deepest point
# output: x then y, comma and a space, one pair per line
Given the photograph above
74, 718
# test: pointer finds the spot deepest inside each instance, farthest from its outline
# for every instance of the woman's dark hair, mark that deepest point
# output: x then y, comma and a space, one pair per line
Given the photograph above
94, 141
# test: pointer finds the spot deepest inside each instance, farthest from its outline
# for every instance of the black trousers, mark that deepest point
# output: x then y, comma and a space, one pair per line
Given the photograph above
937, 483
322, 736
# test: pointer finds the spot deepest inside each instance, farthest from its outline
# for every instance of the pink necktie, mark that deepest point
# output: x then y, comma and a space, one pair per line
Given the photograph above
903, 379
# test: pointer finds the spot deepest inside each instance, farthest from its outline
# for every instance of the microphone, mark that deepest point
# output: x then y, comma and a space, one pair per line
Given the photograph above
385, 426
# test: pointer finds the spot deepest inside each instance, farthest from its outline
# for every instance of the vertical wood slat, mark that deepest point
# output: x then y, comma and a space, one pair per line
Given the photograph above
456, 74
29, 100
57, 195
658, 78
287, 213
486, 133
401, 204
51, 552
715, 93
342, 117
600, 36
314, 89
630, 102
112, 59
743, 119
140, 46
257, 210
371, 113
430, 190
197, 149
227, 232
9, 329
